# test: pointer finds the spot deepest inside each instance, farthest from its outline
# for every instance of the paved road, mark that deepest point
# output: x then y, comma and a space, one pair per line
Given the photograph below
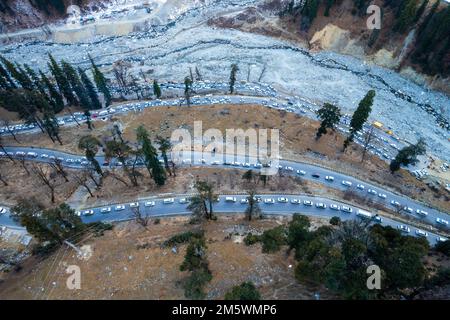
157, 207
382, 145
377, 194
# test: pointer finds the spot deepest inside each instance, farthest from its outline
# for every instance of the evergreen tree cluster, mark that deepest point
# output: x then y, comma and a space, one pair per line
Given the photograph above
47, 6
38, 97
339, 256
431, 51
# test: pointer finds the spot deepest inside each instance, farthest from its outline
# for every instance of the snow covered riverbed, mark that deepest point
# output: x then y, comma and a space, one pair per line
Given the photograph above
184, 40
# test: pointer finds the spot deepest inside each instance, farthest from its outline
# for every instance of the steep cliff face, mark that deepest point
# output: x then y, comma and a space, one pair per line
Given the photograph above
412, 48
339, 28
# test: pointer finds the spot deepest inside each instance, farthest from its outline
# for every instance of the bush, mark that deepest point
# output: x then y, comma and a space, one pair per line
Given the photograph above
184, 237
273, 239
99, 228
251, 239
157, 221
45, 248
443, 247
193, 286
335, 221
246, 291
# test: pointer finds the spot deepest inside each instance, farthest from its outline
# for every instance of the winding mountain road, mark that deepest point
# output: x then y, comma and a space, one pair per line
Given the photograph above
341, 181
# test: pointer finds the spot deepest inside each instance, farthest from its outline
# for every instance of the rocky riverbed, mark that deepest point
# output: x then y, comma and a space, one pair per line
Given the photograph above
176, 37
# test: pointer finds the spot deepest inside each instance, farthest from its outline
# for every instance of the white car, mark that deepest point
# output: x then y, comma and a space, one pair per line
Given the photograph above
295, 201
308, 203
408, 209
283, 200
346, 209
404, 228
2, 210
105, 210
329, 178
119, 207
169, 201
395, 203
88, 212
371, 191
289, 169
442, 221
335, 207
347, 183
321, 205
215, 163
32, 154
230, 199
78, 213
244, 201
183, 200
421, 233
441, 239
20, 153
134, 204
360, 187
149, 203
382, 196
378, 219
269, 201
187, 161
421, 212
301, 172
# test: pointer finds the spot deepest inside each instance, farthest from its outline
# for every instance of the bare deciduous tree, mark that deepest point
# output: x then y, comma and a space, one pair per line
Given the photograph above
120, 70
44, 174
3, 177
82, 180
367, 139
140, 218
59, 168
7, 125
22, 160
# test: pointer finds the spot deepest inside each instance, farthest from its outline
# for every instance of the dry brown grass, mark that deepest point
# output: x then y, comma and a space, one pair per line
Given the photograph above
118, 269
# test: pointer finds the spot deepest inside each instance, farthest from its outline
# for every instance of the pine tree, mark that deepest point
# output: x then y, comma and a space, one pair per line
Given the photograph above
421, 10
62, 82
150, 156
408, 156
90, 145
76, 85
329, 4
51, 125
7, 78
234, 70
309, 13
188, 90
360, 116
407, 16
156, 89
16, 72
427, 19
89, 87
330, 116
25, 80
164, 146
57, 101
37, 83
101, 83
